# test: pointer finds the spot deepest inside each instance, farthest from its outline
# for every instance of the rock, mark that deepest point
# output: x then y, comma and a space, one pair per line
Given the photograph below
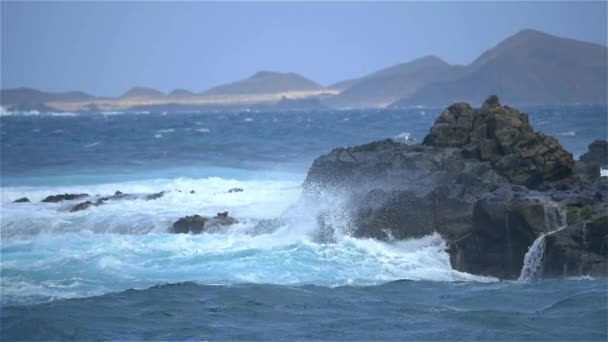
22, 200
503, 136
504, 227
482, 178
83, 206
154, 196
235, 190
594, 159
197, 224
118, 193
190, 224
63, 197
580, 249
192, 192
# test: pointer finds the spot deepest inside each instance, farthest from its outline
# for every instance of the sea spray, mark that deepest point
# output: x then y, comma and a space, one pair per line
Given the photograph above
533, 260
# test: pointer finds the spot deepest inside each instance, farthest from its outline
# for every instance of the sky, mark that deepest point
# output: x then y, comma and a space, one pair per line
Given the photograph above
106, 47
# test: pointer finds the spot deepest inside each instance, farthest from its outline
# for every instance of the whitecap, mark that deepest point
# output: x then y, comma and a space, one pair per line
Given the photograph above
567, 134
158, 136
248, 119
405, 136
92, 144
203, 130
168, 130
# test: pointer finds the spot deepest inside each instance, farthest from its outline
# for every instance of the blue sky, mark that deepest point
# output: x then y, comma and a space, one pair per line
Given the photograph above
106, 47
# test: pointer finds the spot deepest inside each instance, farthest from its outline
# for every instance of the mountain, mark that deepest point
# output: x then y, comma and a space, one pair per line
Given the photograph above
181, 93
530, 67
265, 82
386, 86
142, 93
33, 97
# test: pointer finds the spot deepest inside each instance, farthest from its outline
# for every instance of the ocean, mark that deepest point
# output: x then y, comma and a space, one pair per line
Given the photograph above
114, 272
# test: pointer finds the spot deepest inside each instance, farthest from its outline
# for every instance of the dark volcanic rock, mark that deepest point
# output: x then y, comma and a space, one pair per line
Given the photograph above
235, 190
154, 196
595, 158
63, 197
503, 136
82, 206
197, 224
580, 249
483, 179
22, 200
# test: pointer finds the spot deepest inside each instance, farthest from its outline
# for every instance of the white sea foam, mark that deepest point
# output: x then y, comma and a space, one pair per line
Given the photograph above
167, 130
92, 144
203, 130
125, 244
567, 134
404, 137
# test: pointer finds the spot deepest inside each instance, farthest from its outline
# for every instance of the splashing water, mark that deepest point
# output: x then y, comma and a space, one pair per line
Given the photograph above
532, 269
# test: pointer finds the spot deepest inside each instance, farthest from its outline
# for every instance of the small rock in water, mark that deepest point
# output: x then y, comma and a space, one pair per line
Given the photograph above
235, 190
197, 224
63, 197
22, 200
194, 224
83, 206
118, 193
192, 192
154, 196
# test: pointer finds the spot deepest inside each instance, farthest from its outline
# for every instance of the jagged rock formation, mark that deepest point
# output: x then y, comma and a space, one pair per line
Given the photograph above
483, 179
197, 224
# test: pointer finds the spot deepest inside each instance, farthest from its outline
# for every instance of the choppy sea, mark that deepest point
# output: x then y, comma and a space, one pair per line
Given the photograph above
114, 272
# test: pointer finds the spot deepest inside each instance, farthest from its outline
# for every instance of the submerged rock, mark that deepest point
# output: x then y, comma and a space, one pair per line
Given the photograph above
63, 197
235, 190
197, 224
22, 200
82, 206
482, 178
154, 196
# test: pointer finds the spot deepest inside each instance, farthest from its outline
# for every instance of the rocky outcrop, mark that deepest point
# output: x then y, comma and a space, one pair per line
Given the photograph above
483, 179
197, 224
503, 136
594, 159
118, 195
22, 200
63, 197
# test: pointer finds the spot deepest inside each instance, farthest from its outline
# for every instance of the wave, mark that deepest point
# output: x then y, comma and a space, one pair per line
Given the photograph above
49, 252
92, 144
37, 113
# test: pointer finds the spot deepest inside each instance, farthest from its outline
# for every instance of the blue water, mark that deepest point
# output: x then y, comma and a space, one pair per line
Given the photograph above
114, 272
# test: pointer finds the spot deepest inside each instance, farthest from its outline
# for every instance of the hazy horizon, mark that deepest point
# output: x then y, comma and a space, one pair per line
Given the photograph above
106, 48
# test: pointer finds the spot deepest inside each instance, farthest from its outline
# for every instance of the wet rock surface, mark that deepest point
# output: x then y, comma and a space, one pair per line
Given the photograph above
483, 179
197, 224
63, 197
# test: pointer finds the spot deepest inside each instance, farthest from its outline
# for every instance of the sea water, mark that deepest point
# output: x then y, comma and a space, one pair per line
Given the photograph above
114, 271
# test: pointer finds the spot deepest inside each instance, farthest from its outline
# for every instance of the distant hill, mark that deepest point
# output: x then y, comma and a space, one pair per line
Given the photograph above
530, 67
142, 92
265, 82
33, 97
388, 85
181, 93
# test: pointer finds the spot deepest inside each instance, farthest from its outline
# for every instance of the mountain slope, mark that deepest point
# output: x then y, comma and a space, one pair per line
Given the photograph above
265, 82
142, 92
529, 67
32, 97
388, 85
